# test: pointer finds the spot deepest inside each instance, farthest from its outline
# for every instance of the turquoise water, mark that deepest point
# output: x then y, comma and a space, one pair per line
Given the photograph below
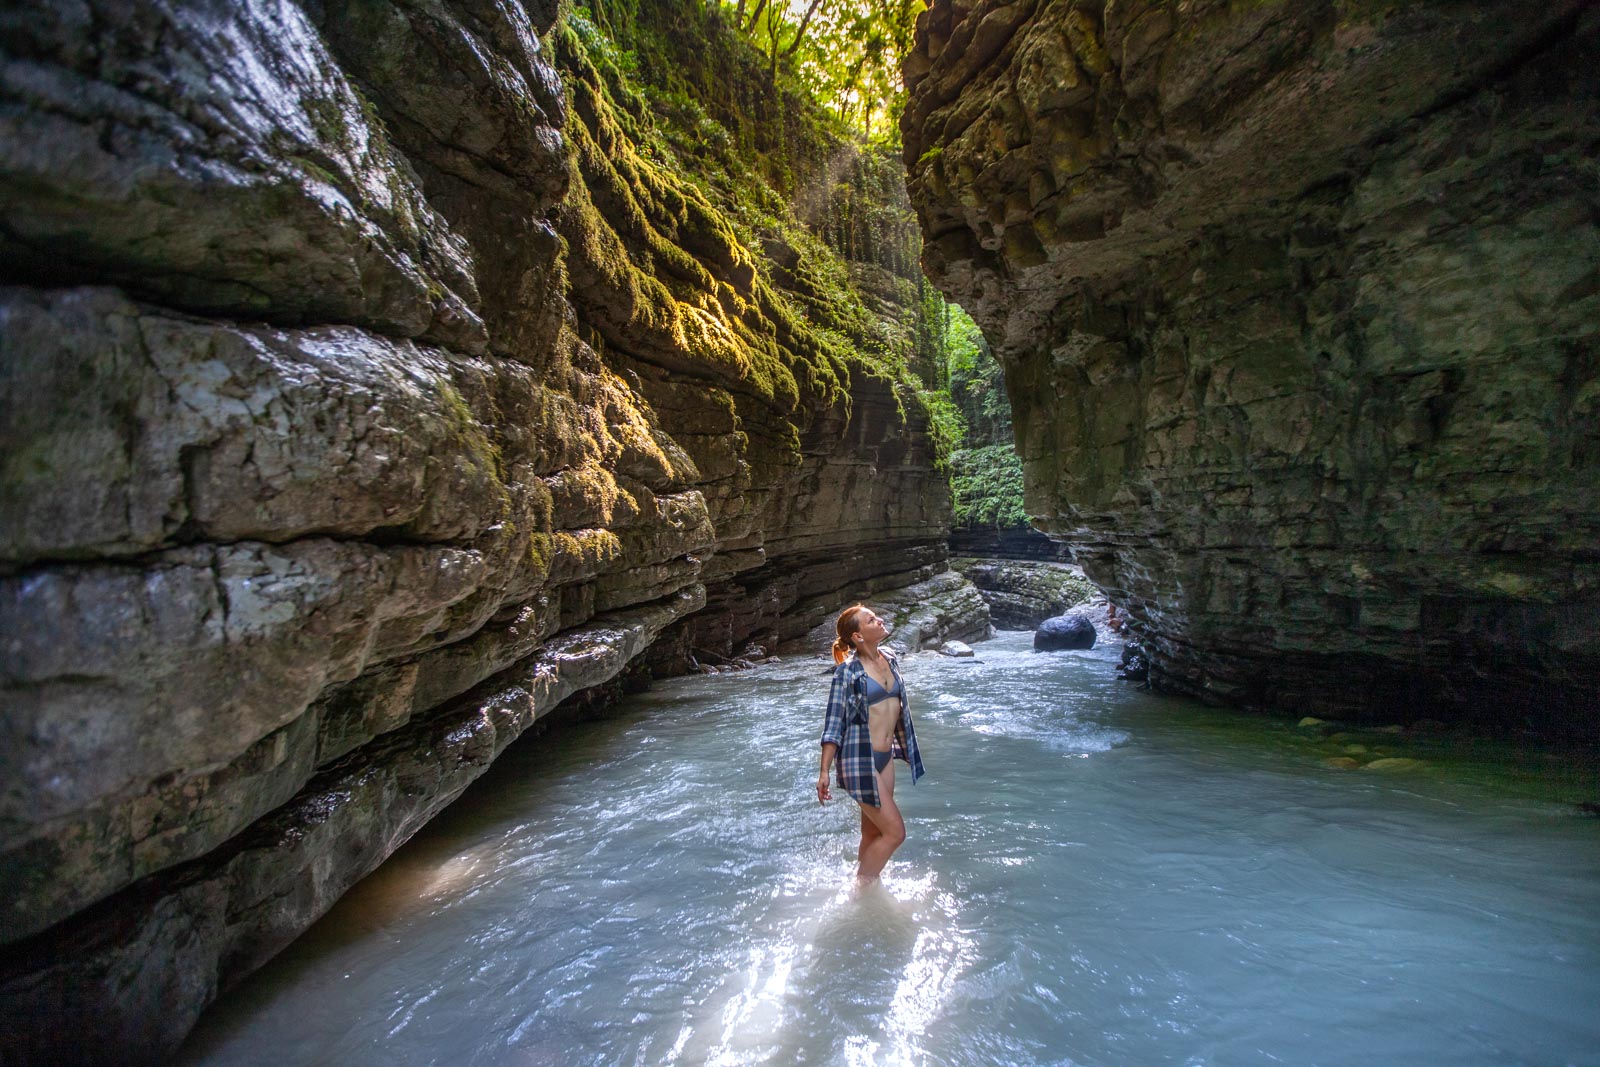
1093, 875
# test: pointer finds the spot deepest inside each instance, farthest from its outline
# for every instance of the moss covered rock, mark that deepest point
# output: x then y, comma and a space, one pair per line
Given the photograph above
374, 378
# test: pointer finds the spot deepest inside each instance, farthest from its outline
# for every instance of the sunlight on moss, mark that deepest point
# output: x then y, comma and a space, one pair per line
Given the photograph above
781, 259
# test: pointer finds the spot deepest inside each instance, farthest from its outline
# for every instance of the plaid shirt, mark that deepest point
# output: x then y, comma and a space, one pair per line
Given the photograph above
846, 726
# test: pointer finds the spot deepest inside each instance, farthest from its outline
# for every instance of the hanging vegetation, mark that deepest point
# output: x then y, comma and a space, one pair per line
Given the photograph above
790, 123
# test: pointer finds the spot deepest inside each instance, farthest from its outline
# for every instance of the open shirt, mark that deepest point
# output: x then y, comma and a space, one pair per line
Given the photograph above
846, 726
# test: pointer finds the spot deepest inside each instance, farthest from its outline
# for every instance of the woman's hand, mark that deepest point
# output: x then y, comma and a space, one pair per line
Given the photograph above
823, 793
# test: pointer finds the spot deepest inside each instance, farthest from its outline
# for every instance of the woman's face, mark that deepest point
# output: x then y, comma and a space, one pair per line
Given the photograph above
870, 627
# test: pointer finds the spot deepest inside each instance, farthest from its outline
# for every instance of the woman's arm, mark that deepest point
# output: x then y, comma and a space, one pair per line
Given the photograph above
832, 731
829, 751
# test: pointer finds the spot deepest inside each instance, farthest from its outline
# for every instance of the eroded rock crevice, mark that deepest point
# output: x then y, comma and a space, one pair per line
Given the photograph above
1296, 305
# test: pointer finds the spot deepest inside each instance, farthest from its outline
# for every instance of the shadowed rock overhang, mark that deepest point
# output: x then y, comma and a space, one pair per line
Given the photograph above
1298, 308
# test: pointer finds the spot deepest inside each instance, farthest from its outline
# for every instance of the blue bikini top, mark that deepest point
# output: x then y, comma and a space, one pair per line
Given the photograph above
876, 692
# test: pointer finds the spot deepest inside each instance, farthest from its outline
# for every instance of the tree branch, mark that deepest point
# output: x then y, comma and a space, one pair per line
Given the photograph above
811, 9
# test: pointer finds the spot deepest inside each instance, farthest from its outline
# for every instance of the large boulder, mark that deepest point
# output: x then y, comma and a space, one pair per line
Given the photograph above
1063, 632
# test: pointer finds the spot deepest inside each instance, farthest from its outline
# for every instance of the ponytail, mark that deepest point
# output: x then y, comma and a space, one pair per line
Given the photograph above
845, 626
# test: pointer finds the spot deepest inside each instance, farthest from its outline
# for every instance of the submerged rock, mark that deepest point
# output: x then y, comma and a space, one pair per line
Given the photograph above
1393, 763
1064, 632
956, 649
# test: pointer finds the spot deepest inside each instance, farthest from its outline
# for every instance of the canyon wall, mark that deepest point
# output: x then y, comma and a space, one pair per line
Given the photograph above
373, 377
1298, 306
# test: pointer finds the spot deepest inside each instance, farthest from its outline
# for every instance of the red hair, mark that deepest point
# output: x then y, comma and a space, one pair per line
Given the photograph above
846, 626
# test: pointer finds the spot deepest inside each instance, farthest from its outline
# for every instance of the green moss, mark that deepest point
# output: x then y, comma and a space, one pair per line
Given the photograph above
731, 223
328, 120
540, 552
468, 435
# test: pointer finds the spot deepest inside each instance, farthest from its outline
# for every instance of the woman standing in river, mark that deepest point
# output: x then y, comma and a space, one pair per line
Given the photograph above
868, 727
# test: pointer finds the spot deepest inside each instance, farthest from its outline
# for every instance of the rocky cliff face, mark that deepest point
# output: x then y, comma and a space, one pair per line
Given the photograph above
371, 380
1297, 305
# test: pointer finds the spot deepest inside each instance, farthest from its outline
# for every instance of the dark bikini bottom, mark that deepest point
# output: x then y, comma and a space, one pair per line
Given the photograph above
881, 758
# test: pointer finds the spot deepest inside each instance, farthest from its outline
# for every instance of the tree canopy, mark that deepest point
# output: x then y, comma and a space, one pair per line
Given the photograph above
848, 52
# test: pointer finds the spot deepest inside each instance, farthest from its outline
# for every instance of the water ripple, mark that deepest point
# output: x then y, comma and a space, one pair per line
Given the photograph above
1093, 876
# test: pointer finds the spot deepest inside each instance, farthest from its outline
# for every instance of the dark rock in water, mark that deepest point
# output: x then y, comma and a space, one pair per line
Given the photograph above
1064, 631
1135, 665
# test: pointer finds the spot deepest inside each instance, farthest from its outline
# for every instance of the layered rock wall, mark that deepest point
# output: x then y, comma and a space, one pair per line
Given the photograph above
1297, 305
1022, 593
370, 382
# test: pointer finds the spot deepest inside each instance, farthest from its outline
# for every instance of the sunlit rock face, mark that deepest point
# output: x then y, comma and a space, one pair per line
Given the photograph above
362, 397
1298, 307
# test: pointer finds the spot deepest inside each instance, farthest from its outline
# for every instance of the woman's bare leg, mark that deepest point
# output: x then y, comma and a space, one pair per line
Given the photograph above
869, 834
890, 826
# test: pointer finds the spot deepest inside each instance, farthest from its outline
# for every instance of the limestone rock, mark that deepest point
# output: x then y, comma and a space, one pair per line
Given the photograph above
1006, 543
130, 427
143, 971
1307, 392
212, 155
1023, 593
943, 608
923, 614
360, 401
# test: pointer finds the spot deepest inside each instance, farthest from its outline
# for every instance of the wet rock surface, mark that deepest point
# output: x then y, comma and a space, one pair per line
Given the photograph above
1023, 593
1064, 632
1297, 309
1007, 542
365, 392
924, 614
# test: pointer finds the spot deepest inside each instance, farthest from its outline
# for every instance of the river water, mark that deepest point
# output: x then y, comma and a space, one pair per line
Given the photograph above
1093, 875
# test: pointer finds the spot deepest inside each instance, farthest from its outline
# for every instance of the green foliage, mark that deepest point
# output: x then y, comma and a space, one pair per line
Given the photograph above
847, 52
977, 382
700, 73
945, 425
986, 484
